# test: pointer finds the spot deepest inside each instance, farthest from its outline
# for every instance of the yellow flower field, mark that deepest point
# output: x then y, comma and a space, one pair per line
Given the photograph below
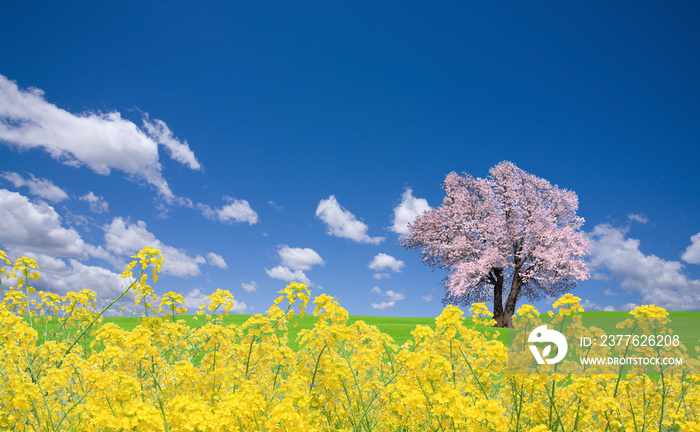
86, 375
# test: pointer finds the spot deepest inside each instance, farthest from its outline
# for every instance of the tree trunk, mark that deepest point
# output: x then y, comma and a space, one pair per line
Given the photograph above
506, 319
498, 296
511, 301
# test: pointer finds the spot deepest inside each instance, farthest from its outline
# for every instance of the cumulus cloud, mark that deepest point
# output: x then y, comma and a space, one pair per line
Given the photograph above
657, 280
426, 298
406, 212
590, 306
383, 262
125, 239
692, 253
391, 298
294, 262
40, 187
607, 292
36, 227
217, 260
179, 151
235, 211
394, 296
341, 223
286, 274
100, 141
299, 258
380, 276
59, 276
96, 202
251, 286
72, 277
239, 211
638, 218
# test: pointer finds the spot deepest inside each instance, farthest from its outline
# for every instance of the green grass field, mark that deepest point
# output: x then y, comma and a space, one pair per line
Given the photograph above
399, 328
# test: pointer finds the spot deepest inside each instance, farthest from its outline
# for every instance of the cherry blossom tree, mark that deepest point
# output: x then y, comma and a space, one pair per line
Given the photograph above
511, 228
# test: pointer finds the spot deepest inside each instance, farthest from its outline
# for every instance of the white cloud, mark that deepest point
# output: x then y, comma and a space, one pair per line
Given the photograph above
40, 187
239, 211
406, 212
96, 202
217, 260
36, 227
126, 239
658, 281
692, 253
59, 277
106, 284
638, 218
427, 298
341, 223
252, 286
394, 296
100, 141
299, 258
628, 306
595, 275
294, 262
380, 276
196, 297
607, 292
386, 262
274, 205
179, 151
590, 306
287, 275
235, 211
391, 298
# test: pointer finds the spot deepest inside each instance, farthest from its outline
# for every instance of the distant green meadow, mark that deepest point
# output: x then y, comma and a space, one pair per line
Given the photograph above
399, 328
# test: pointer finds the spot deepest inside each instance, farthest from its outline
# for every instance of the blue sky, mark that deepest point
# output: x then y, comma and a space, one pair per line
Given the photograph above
259, 141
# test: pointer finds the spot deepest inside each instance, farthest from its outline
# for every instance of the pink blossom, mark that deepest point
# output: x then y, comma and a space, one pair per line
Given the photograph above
511, 225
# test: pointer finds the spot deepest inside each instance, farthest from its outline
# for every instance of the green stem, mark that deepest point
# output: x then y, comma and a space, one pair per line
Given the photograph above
98, 317
250, 351
474, 374
26, 288
35, 380
318, 360
619, 374
193, 331
552, 407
